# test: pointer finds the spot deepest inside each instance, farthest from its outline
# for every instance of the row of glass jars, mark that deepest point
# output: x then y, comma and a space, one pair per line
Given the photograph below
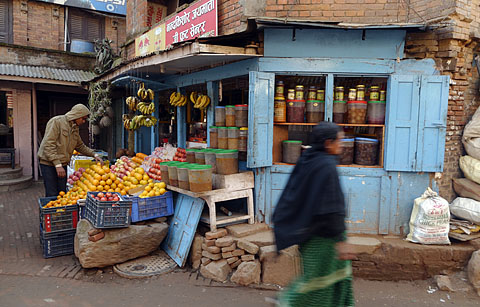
229, 138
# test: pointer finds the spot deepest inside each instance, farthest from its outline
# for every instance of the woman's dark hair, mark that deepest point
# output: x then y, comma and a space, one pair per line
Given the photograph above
322, 132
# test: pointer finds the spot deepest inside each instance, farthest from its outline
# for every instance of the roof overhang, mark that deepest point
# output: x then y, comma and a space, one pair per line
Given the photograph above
264, 22
185, 58
38, 80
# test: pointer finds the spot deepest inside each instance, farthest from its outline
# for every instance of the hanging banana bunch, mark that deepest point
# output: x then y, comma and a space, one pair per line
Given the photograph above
132, 103
146, 108
145, 95
200, 102
177, 99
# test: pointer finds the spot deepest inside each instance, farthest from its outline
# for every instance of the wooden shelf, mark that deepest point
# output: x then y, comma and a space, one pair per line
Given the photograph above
342, 125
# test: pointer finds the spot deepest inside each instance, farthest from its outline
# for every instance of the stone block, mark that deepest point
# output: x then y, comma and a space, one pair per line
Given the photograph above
216, 234
247, 273
247, 246
248, 257
210, 242
216, 270
260, 239
243, 230
118, 245
232, 260
196, 251
267, 252
205, 261
443, 283
364, 245
211, 249
224, 242
230, 248
473, 270
283, 269
211, 256
227, 255
238, 252
236, 263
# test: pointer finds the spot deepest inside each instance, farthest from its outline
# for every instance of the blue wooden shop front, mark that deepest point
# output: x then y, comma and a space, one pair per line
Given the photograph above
379, 200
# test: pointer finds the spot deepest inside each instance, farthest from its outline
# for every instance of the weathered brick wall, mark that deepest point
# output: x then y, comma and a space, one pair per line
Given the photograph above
12, 54
136, 17
360, 11
230, 17
39, 26
424, 10
115, 30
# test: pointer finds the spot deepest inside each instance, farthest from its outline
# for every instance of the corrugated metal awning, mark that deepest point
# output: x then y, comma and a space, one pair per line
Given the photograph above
43, 72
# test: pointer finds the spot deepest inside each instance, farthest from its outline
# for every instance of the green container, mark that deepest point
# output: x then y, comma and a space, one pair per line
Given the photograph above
200, 178
227, 161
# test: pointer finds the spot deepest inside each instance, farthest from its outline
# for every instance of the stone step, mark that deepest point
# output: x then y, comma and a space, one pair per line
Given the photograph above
15, 184
11, 173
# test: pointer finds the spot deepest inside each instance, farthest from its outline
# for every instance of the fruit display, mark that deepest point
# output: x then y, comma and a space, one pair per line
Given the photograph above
180, 155
107, 196
75, 176
123, 166
178, 99
153, 189
144, 103
199, 101
135, 178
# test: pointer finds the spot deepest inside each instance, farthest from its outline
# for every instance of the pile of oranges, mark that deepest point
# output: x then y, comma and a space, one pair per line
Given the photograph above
95, 178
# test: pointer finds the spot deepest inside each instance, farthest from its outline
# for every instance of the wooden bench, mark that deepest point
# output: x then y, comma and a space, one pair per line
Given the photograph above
10, 151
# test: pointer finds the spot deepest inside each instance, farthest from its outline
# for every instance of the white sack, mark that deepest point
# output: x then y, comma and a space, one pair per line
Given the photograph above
467, 209
471, 136
430, 219
470, 168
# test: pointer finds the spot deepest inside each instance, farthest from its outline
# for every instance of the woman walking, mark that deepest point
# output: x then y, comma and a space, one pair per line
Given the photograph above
311, 213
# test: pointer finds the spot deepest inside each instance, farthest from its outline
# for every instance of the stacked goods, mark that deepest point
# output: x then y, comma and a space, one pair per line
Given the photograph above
180, 155
75, 176
224, 252
107, 210
136, 177
123, 166
154, 189
139, 157
154, 201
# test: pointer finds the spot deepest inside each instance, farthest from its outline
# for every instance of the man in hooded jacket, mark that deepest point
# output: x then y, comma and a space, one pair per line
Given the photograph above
61, 138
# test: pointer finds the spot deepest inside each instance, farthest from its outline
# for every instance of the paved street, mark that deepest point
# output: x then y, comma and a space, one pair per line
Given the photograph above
26, 279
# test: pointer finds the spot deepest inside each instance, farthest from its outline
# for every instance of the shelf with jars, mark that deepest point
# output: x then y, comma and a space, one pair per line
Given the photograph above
360, 113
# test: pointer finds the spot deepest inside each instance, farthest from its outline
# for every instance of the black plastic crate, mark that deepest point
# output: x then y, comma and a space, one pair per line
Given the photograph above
57, 219
57, 244
108, 214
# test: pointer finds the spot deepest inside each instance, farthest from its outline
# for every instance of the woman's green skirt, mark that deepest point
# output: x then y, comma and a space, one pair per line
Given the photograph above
326, 280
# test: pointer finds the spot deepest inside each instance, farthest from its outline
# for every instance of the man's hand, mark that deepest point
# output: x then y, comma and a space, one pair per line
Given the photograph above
345, 251
98, 159
61, 171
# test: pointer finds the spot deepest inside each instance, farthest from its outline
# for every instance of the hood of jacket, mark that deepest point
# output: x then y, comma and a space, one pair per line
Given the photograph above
78, 111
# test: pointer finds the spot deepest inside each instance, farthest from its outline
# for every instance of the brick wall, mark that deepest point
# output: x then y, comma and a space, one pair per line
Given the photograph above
116, 33
422, 10
39, 27
230, 17
136, 17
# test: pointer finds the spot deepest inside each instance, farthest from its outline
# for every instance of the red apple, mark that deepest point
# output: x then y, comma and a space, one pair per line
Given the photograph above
100, 194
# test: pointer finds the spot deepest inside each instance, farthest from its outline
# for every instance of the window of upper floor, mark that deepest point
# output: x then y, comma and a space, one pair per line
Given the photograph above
84, 28
6, 21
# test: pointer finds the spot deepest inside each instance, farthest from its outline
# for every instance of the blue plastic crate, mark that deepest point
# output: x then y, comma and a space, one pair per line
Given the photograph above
57, 219
57, 244
108, 214
151, 207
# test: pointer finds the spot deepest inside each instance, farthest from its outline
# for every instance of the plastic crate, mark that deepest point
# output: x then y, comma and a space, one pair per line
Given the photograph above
151, 207
57, 219
57, 244
108, 214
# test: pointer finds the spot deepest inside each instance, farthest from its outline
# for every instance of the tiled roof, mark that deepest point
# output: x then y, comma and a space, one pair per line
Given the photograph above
43, 72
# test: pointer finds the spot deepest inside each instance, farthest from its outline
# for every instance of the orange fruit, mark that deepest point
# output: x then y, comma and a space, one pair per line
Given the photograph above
106, 187
97, 177
113, 185
61, 193
118, 190
102, 182
117, 181
95, 182
123, 192
113, 177
120, 185
99, 188
101, 172
109, 181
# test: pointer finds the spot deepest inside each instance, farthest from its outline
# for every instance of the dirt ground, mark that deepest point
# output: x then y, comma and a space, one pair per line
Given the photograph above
177, 289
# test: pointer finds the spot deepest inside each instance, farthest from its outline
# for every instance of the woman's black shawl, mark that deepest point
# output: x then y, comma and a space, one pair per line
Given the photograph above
312, 203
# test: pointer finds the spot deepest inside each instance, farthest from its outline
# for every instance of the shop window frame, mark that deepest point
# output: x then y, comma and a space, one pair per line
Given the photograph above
8, 33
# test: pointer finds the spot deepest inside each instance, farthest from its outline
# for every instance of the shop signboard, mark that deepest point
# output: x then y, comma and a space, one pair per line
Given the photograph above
151, 41
198, 20
109, 6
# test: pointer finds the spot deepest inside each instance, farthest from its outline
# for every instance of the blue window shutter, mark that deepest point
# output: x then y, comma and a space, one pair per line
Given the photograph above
402, 122
260, 119
432, 123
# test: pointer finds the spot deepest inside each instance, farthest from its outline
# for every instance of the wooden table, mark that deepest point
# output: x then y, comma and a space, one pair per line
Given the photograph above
214, 196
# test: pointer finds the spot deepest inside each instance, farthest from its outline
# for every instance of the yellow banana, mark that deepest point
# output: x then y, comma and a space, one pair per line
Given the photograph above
151, 94
193, 97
